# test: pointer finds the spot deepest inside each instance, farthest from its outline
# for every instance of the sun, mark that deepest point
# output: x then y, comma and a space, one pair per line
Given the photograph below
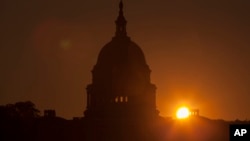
182, 113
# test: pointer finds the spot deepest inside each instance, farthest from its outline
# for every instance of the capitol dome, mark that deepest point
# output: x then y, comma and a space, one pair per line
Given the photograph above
121, 50
121, 78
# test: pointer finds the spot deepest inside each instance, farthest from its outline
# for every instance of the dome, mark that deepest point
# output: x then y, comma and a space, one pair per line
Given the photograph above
121, 78
121, 51
121, 59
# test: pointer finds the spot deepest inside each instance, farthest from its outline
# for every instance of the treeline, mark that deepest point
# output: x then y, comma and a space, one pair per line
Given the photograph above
19, 110
22, 121
17, 121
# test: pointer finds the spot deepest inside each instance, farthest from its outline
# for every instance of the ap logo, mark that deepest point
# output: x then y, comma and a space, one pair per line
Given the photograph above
239, 132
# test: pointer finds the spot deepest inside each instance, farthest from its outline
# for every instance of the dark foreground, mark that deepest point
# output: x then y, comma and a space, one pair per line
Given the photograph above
163, 129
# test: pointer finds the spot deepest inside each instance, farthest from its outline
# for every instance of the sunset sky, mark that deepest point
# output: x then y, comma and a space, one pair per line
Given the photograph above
198, 51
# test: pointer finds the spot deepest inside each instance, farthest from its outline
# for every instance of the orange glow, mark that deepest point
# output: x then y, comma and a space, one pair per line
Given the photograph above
182, 113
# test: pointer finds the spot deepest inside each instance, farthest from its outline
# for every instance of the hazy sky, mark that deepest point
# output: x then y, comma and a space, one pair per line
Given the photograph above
198, 51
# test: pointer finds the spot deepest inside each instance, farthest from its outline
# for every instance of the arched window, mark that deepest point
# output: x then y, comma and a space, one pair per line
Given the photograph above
121, 98
116, 99
126, 99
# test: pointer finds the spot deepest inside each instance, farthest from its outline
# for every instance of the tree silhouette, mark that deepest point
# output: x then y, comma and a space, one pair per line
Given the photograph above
19, 110
26, 109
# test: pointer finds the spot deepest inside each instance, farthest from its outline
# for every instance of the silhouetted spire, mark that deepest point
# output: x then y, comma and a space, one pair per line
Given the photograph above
121, 22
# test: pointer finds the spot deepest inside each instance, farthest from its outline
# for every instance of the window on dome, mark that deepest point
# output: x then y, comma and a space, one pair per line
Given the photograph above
126, 99
116, 100
121, 99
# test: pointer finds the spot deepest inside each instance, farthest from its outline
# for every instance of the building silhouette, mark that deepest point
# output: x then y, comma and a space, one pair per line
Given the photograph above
121, 100
121, 79
194, 112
